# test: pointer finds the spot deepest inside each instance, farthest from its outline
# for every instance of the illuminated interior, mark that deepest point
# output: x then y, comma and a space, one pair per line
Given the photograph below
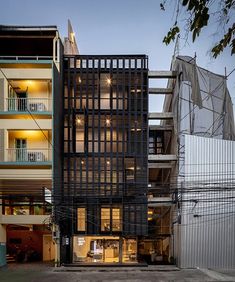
33, 95
29, 145
103, 249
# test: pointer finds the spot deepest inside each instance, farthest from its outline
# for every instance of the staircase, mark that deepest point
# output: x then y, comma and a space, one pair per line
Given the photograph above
10, 259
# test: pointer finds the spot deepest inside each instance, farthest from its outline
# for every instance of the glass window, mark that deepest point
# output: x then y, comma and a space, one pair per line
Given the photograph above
105, 219
116, 218
105, 84
81, 219
129, 250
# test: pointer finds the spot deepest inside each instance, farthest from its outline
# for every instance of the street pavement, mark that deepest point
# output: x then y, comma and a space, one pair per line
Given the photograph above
38, 272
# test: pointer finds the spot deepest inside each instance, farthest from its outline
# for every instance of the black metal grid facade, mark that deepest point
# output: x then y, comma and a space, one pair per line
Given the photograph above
105, 141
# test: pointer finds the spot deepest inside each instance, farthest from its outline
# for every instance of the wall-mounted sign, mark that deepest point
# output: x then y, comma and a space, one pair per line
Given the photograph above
81, 241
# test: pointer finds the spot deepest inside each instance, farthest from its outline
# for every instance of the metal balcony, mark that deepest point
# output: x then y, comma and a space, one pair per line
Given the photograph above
28, 104
23, 155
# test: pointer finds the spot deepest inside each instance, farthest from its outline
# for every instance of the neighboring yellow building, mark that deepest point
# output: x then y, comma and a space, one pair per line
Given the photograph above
29, 82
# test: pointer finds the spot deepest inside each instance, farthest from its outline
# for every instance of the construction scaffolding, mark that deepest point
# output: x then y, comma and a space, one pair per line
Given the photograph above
203, 217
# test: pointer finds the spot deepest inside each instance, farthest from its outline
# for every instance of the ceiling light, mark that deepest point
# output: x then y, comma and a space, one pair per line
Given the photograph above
109, 81
108, 121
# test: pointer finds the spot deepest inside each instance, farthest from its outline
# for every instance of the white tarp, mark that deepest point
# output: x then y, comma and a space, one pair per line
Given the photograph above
201, 102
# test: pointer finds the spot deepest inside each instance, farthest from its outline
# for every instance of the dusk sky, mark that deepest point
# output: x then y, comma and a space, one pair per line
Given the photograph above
119, 27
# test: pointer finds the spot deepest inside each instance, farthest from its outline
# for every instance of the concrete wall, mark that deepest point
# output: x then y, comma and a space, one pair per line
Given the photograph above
29, 240
25, 219
57, 137
30, 73
29, 173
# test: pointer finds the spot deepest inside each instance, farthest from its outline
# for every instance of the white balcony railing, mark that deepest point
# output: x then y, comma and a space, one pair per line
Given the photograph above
28, 104
28, 155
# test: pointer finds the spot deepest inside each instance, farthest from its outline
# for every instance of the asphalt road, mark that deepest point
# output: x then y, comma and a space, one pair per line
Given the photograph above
42, 272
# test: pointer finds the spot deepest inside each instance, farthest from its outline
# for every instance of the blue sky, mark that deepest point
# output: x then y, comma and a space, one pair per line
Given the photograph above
119, 27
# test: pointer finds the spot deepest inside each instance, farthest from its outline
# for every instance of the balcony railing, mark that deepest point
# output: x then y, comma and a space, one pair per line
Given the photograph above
28, 155
28, 104
26, 58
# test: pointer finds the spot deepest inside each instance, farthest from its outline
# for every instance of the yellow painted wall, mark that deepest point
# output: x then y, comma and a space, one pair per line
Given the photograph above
3, 236
1, 93
48, 248
2, 144
35, 138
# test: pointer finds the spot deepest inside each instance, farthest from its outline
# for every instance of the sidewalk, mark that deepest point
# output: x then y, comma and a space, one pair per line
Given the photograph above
147, 268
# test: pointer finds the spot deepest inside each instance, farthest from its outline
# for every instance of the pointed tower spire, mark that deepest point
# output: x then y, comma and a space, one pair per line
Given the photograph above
70, 44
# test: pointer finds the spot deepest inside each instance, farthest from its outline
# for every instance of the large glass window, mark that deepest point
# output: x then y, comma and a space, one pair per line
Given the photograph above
129, 250
89, 249
111, 219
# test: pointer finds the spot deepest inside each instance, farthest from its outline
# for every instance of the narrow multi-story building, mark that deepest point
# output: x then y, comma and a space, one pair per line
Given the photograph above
127, 185
29, 85
102, 209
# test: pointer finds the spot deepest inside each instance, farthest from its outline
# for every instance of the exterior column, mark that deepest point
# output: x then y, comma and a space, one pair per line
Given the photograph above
120, 249
3, 239
57, 244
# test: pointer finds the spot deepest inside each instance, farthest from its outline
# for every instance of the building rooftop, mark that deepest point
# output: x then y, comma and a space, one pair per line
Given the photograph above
27, 40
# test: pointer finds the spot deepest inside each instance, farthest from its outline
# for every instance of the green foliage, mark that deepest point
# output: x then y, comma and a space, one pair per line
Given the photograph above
228, 39
171, 35
199, 12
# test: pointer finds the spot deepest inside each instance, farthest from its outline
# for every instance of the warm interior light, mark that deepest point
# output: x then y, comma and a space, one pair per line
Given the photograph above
150, 212
108, 162
109, 81
108, 121
136, 91
79, 121
82, 162
136, 126
30, 82
136, 129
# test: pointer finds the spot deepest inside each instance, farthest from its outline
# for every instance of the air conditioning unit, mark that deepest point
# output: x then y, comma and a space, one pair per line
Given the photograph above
37, 107
36, 157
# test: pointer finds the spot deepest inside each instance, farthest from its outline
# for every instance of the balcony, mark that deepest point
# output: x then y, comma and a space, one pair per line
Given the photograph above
21, 96
17, 156
26, 147
29, 155
33, 105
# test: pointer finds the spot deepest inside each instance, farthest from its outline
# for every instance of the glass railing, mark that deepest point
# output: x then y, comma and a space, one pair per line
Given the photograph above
28, 104
28, 155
